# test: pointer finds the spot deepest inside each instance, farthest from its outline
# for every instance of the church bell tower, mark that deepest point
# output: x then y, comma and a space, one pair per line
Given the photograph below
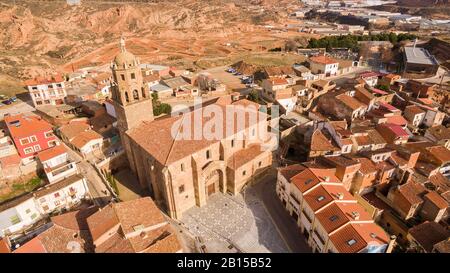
131, 98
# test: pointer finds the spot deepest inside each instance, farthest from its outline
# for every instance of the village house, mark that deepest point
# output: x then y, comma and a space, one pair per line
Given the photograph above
329, 217
24, 211
341, 105
81, 137
30, 135
135, 226
56, 164
415, 116
426, 235
47, 90
323, 65
370, 78
439, 135
393, 133
68, 233
271, 86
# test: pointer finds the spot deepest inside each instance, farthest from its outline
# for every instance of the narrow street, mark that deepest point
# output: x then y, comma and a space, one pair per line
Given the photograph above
285, 224
98, 190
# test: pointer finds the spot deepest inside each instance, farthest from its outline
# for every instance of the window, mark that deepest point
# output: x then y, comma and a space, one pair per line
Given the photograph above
42, 200
126, 97
24, 141
181, 189
37, 148
208, 154
259, 164
244, 173
135, 95
122, 76
52, 143
232, 143
33, 138
45, 208
57, 203
253, 132
133, 76
56, 195
182, 167
48, 134
59, 85
28, 211
14, 219
334, 218
34, 87
143, 93
28, 150
50, 86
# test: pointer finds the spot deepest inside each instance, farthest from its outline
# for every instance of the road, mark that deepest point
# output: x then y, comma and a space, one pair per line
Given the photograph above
286, 225
98, 190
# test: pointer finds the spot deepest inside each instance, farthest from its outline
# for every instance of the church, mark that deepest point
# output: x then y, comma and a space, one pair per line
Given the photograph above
183, 172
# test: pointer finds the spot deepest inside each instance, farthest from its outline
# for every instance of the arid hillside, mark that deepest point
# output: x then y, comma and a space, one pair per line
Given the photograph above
435, 9
39, 36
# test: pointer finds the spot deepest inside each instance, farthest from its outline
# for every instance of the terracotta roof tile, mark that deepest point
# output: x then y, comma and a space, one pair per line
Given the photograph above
323, 60
436, 199
51, 153
73, 129
83, 138
169, 149
22, 125
428, 234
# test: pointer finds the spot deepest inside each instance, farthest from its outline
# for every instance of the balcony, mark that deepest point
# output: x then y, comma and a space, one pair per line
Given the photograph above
60, 171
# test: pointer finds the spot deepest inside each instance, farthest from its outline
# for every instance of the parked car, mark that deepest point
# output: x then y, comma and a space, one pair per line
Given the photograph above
238, 74
231, 70
13, 99
7, 102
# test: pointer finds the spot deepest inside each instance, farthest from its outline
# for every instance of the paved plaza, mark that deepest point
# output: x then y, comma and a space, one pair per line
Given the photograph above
234, 224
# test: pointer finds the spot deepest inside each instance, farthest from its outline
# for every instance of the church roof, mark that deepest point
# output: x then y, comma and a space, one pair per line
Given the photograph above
156, 137
124, 57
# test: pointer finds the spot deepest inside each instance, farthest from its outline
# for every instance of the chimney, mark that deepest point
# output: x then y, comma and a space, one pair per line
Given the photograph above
326, 178
355, 215
340, 195
391, 244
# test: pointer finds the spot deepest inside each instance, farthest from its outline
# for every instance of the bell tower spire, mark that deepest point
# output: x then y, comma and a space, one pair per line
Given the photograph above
122, 44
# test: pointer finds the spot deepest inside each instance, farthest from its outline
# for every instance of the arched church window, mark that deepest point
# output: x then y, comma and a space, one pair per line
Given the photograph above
143, 92
135, 94
126, 97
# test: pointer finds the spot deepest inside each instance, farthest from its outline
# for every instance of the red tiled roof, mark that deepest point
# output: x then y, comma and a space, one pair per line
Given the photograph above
428, 234
396, 129
397, 120
33, 246
22, 126
45, 80
51, 153
4, 247
84, 137
323, 60
278, 81
436, 199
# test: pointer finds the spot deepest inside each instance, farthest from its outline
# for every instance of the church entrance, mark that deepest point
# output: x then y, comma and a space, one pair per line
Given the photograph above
212, 183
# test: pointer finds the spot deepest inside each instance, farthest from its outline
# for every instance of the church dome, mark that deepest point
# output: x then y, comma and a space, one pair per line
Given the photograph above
124, 57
